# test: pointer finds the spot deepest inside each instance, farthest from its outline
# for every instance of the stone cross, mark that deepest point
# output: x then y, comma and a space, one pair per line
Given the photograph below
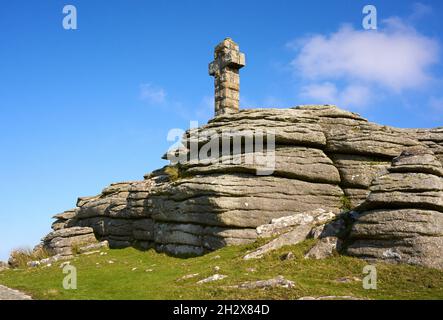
225, 68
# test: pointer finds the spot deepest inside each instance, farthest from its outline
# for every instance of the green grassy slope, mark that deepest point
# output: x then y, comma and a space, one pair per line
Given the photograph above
149, 275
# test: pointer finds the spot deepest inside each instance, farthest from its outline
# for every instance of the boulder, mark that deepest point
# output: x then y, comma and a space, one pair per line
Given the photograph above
335, 228
324, 248
402, 218
284, 224
291, 230
212, 278
296, 235
406, 190
277, 282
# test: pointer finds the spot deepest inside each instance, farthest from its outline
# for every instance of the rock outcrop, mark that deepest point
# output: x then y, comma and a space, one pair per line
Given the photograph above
325, 158
402, 218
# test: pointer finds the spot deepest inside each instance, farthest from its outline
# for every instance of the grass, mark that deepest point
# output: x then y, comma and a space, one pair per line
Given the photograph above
176, 172
150, 275
173, 172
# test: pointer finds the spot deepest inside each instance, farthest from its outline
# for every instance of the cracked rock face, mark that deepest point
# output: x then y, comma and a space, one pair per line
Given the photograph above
402, 218
325, 158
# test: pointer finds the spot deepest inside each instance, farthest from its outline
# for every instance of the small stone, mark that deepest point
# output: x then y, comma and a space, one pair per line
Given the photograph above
214, 277
133, 269
216, 268
348, 279
110, 262
11, 294
316, 232
296, 235
33, 264
188, 276
87, 253
331, 229
279, 281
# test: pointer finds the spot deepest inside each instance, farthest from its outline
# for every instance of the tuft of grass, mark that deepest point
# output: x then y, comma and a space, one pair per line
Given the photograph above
173, 172
345, 202
20, 257
150, 275
376, 163
176, 172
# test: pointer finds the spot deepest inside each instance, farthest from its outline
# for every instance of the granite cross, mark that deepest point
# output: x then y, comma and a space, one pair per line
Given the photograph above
225, 68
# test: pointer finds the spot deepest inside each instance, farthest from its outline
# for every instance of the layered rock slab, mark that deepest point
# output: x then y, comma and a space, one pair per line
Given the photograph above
239, 200
64, 241
402, 218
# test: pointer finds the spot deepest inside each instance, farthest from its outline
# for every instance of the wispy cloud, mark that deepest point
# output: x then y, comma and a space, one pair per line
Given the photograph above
152, 94
419, 11
349, 64
356, 96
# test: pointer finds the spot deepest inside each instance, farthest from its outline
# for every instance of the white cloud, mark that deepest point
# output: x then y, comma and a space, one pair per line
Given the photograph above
396, 57
152, 94
353, 67
354, 96
323, 93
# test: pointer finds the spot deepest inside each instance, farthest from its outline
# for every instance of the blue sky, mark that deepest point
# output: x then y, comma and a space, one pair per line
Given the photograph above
83, 108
